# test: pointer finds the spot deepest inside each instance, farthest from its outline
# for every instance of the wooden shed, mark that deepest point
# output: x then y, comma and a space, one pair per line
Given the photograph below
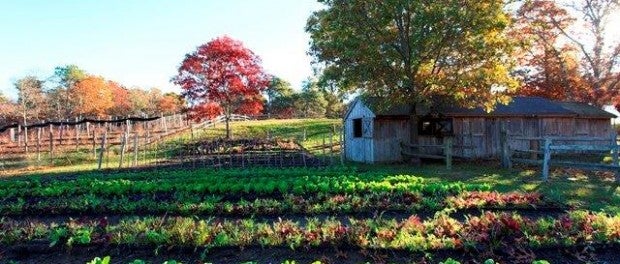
374, 135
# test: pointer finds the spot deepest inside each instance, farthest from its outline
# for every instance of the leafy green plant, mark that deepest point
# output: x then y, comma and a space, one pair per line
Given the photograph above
98, 260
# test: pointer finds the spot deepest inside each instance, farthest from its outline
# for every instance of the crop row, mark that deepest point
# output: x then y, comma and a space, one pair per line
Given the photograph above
215, 184
488, 231
180, 174
197, 204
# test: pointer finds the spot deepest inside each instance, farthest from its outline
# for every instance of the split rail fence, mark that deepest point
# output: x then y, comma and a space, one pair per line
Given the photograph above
571, 152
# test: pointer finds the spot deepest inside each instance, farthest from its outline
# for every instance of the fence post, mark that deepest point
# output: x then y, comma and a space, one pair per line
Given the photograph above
448, 150
26, 139
331, 148
102, 150
77, 127
135, 149
546, 160
19, 135
94, 144
305, 135
38, 146
51, 137
123, 143
323, 151
534, 146
503, 139
342, 147
614, 144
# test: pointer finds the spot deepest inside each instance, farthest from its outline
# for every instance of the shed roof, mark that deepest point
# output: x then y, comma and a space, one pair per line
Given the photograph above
519, 106
586, 110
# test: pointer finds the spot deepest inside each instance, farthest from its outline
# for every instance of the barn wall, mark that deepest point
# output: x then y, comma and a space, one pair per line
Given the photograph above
359, 149
484, 133
382, 137
600, 127
387, 136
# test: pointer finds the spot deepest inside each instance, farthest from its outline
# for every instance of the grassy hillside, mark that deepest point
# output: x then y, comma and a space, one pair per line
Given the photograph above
315, 131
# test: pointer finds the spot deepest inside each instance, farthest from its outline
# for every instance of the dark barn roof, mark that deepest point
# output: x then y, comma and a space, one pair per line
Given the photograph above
586, 110
519, 106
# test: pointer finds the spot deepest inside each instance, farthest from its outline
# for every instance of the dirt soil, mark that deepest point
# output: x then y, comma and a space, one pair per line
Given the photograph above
44, 254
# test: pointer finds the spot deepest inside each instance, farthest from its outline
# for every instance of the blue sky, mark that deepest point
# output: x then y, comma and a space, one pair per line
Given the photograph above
141, 43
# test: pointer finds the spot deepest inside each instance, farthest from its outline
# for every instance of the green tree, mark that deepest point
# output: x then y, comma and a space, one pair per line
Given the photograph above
334, 91
60, 100
310, 102
412, 51
279, 99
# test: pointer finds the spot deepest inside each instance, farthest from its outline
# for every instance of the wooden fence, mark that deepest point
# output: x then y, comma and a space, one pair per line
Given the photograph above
51, 143
446, 152
582, 152
139, 144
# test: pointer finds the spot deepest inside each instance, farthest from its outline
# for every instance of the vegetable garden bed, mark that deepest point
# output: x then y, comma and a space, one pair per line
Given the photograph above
273, 215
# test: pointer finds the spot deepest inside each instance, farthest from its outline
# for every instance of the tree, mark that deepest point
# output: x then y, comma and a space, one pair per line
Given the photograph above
139, 101
93, 97
411, 51
600, 59
224, 72
279, 95
59, 97
170, 103
549, 66
334, 91
154, 96
8, 110
122, 105
30, 98
310, 102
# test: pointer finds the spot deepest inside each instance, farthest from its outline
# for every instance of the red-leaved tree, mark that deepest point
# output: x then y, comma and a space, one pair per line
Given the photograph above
222, 77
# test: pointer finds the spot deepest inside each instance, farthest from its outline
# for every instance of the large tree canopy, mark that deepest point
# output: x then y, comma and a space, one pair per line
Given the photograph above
412, 51
568, 55
225, 76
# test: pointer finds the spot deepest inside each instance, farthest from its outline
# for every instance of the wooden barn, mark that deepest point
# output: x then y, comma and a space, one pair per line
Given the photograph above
374, 134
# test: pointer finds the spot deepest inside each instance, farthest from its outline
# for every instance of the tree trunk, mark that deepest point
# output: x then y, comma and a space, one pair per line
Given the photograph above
227, 126
227, 116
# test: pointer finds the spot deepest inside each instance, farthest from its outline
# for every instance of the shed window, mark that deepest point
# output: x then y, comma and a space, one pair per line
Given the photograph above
435, 127
357, 127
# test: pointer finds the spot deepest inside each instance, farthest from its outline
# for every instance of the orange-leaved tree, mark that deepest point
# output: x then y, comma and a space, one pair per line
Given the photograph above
549, 66
170, 103
222, 72
120, 97
93, 97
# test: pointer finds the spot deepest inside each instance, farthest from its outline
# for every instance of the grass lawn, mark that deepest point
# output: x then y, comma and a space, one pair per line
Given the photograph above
588, 191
